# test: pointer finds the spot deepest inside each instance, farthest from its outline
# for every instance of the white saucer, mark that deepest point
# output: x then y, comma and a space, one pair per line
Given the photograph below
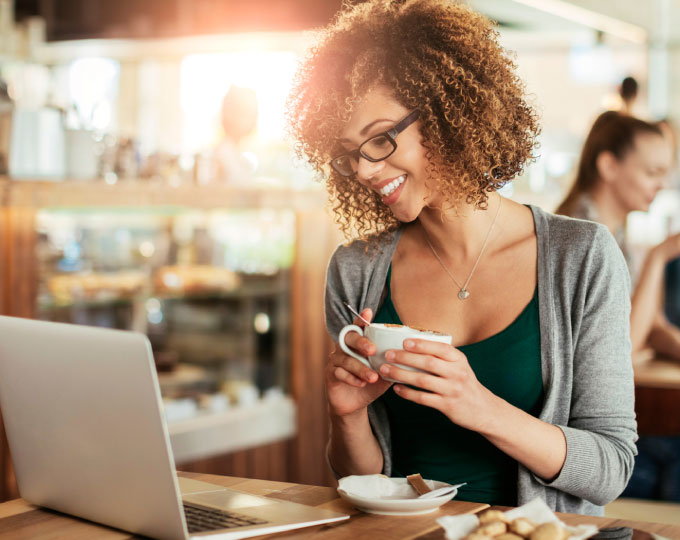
398, 506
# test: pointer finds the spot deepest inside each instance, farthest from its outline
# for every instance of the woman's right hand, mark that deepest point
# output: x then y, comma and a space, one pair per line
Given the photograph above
350, 385
669, 249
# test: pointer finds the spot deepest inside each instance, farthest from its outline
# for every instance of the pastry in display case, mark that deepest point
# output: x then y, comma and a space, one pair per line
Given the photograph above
191, 279
69, 288
237, 332
210, 289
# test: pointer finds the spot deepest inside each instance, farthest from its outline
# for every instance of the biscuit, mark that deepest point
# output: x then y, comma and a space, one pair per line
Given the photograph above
549, 531
522, 526
418, 483
477, 536
492, 515
492, 529
508, 536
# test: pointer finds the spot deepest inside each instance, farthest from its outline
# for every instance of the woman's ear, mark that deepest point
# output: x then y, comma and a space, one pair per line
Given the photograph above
607, 166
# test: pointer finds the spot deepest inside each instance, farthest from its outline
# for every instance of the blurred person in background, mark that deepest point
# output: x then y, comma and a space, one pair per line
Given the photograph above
6, 107
625, 161
414, 115
628, 91
238, 118
671, 134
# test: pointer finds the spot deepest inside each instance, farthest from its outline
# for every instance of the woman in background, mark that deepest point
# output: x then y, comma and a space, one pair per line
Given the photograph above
623, 165
415, 116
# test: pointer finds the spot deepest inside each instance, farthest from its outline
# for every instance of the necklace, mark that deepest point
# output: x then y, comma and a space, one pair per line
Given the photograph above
463, 293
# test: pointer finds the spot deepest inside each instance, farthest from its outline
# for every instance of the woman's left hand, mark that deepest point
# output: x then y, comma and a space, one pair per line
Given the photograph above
448, 383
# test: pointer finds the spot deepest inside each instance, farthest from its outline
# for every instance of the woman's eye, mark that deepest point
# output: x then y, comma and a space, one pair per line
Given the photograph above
380, 141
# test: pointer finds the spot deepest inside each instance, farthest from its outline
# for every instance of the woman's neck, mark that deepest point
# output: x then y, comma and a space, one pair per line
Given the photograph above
460, 235
609, 210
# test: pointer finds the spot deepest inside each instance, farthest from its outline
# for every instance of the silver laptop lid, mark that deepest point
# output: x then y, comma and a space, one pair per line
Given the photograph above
82, 411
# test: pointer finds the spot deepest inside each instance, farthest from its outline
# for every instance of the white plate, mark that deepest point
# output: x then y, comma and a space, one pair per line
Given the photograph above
398, 506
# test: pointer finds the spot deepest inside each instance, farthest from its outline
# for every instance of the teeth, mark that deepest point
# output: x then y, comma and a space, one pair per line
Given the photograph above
394, 184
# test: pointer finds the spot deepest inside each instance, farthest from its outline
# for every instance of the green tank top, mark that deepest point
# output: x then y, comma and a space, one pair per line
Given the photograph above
425, 441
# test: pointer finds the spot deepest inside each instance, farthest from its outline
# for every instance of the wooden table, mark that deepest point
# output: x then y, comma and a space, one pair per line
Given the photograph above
657, 396
19, 519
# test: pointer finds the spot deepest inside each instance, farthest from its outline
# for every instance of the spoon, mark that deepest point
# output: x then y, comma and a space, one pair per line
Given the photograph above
438, 492
355, 312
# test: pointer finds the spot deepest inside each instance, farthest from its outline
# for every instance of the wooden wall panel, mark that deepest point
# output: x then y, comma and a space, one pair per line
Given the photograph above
8, 484
4, 450
656, 409
269, 462
317, 237
17, 297
22, 262
4, 259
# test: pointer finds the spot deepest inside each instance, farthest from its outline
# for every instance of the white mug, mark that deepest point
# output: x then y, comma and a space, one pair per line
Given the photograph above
386, 337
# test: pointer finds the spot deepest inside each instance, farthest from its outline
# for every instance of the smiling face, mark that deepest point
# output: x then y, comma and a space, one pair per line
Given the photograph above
636, 178
400, 179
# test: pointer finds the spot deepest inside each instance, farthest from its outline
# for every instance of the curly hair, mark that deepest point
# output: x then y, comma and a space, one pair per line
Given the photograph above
435, 56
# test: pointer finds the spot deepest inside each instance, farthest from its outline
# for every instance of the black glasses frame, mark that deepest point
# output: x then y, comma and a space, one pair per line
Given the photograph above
390, 135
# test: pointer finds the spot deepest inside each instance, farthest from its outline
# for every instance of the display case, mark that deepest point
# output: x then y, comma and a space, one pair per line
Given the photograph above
227, 284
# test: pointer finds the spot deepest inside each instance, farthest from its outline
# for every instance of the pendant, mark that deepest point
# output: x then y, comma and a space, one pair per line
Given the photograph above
463, 294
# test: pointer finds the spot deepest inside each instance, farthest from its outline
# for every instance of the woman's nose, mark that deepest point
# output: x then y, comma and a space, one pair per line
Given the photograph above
368, 169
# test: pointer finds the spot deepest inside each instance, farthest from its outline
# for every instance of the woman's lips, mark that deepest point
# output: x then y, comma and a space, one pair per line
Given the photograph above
394, 195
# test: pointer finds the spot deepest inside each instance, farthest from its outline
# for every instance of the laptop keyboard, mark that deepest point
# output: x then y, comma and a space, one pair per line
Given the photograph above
200, 519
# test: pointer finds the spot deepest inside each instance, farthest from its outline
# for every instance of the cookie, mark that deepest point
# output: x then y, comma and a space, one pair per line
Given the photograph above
522, 526
418, 483
549, 531
492, 529
492, 515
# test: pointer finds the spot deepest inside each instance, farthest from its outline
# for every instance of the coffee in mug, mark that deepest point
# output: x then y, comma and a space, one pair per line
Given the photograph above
387, 337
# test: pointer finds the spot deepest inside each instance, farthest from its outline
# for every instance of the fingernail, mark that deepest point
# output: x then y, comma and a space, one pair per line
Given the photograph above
408, 343
384, 369
389, 355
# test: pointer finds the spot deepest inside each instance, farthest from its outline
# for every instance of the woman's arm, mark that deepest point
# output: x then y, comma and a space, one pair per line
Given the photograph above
353, 449
451, 387
646, 301
546, 459
664, 338
350, 388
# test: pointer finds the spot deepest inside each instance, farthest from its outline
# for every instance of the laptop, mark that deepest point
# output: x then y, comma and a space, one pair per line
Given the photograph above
83, 416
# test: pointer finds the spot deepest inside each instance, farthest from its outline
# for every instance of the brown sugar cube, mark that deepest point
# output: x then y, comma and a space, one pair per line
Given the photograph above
549, 531
418, 483
494, 528
508, 536
522, 526
476, 536
492, 515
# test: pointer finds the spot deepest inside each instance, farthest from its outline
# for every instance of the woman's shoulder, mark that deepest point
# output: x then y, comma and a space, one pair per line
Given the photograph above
575, 245
365, 252
569, 232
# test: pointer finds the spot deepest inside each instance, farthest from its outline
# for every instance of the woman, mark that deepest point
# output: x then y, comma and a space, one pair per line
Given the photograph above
414, 113
624, 163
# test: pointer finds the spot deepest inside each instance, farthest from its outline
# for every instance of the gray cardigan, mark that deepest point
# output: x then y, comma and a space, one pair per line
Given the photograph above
584, 309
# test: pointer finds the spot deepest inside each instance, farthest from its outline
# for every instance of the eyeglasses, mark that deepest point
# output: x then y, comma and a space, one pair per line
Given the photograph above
377, 148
